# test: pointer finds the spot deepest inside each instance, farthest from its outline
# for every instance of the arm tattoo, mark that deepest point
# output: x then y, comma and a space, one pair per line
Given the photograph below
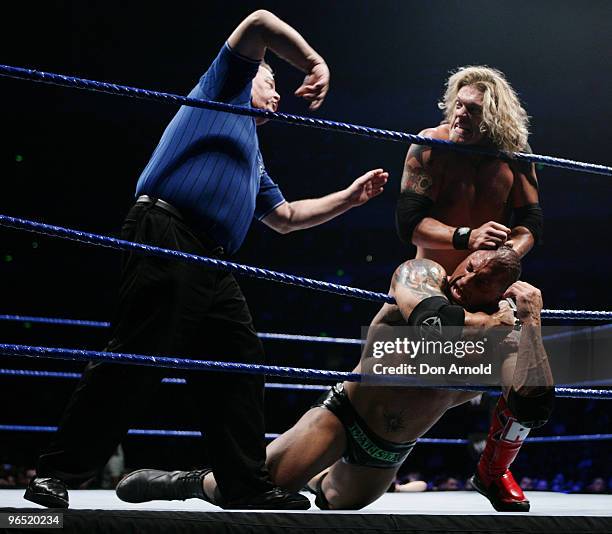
416, 180
424, 278
394, 422
416, 152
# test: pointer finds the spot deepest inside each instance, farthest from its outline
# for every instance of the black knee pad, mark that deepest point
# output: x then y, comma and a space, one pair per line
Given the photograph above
531, 412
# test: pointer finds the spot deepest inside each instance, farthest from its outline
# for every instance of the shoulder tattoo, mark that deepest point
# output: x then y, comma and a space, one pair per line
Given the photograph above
425, 278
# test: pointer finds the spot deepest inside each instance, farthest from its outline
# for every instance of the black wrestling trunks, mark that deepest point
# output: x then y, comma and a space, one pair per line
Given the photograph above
363, 447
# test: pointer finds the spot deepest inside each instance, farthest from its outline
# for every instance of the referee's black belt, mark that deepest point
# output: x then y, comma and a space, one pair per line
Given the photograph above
207, 241
146, 199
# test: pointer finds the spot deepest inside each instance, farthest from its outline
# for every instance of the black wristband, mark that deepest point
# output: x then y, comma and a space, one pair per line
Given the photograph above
461, 238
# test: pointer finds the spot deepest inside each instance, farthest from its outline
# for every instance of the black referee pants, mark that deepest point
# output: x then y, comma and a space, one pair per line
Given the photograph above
170, 307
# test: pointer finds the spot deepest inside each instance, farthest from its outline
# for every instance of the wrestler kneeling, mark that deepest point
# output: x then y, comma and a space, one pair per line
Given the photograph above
366, 432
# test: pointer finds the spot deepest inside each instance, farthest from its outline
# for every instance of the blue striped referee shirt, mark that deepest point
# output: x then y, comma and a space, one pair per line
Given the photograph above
208, 164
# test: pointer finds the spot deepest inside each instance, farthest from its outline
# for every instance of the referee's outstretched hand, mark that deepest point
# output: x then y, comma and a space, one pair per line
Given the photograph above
368, 186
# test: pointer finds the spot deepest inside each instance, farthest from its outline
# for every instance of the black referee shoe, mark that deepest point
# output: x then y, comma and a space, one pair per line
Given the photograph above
153, 485
47, 491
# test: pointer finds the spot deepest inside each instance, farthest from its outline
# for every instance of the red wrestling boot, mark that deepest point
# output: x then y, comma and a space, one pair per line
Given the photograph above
493, 479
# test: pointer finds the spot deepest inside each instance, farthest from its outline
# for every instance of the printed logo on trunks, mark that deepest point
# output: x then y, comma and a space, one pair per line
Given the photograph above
371, 448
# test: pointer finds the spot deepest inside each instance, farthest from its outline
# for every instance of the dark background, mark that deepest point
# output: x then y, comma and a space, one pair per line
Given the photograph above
72, 158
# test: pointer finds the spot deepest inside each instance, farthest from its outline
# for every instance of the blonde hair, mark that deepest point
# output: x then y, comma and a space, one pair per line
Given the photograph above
504, 119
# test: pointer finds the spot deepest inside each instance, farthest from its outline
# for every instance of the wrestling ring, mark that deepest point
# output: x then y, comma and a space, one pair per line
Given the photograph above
98, 510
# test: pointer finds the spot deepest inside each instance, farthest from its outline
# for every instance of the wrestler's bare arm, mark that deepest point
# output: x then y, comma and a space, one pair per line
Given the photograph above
524, 191
531, 374
418, 178
521, 240
418, 279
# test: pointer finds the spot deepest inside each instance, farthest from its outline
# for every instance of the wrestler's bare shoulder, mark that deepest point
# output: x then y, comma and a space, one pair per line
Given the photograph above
421, 277
440, 132
417, 275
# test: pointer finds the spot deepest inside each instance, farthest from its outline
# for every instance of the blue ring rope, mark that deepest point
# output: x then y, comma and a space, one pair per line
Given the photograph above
314, 339
12, 350
270, 385
134, 92
247, 270
198, 434
275, 336
55, 321
167, 380
270, 335
174, 363
571, 333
